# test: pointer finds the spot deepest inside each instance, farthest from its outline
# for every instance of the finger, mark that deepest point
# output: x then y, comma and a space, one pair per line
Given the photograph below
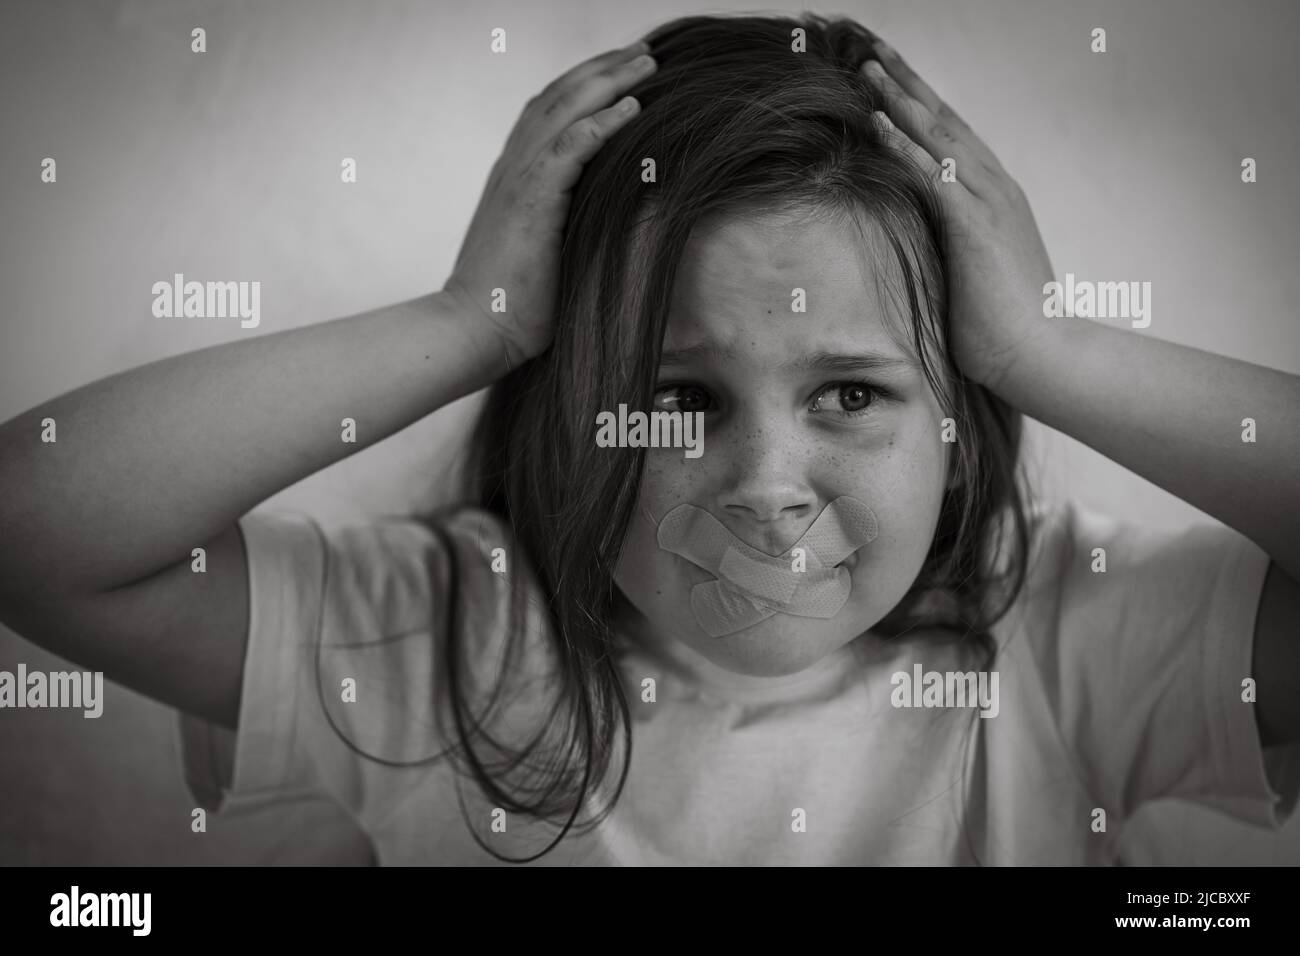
903, 143
560, 166
596, 89
595, 64
580, 92
918, 89
927, 131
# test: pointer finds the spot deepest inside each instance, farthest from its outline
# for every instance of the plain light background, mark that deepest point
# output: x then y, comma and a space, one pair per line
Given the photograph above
225, 166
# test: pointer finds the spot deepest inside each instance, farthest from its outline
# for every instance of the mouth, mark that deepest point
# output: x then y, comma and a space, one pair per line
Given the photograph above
699, 576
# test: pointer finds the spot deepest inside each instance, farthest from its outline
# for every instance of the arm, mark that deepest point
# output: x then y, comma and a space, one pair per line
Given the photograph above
153, 462
1173, 415
1170, 413
96, 529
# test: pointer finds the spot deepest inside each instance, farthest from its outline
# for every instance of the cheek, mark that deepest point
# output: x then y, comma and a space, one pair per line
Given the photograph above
907, 517
906, 495
666, 482
901, 477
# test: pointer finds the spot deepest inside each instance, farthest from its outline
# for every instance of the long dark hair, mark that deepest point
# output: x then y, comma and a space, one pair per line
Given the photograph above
736, 120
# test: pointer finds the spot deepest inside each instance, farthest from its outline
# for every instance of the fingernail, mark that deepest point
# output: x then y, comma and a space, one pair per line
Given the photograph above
640, 46
884, 47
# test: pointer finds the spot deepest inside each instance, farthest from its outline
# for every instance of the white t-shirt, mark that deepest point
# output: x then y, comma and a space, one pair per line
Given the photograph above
1115, 688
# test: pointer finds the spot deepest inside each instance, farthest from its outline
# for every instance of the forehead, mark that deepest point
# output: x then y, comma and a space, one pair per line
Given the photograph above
768, 285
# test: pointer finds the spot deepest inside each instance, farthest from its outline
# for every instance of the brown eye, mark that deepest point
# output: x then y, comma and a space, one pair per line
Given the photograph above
849, 399
684, 398
854, 398
692, 399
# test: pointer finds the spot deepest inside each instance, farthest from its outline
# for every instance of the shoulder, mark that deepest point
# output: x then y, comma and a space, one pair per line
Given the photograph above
385, 574
402, 597
1115, 607
1140, 637
1112, 608
1078, 554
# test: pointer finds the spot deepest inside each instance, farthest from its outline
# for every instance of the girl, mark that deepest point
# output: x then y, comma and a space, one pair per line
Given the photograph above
770, 236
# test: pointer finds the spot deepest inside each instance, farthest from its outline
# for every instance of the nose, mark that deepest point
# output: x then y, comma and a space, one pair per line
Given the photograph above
767, 493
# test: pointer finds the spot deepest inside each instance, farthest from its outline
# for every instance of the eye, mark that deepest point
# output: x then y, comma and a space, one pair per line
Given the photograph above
849, 399
682, 398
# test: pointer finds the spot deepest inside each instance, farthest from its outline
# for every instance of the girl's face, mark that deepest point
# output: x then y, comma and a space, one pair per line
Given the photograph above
799, 409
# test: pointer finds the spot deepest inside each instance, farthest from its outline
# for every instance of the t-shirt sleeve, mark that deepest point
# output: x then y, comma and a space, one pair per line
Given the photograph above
344, 687
1144, 662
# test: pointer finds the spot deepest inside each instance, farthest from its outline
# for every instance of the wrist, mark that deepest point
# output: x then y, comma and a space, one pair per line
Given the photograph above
1028, 363
497, 347
497, 338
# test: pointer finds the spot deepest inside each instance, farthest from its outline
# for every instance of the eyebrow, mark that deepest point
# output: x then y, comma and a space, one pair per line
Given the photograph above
820, 361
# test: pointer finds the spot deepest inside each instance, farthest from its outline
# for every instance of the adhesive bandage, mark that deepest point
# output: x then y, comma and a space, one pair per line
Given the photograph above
751, 586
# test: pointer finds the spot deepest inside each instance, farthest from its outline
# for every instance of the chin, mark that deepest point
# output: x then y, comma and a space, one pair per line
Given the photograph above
782, 644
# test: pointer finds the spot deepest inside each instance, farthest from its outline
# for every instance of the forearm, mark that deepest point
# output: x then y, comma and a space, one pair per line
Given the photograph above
154, 461
1173, 415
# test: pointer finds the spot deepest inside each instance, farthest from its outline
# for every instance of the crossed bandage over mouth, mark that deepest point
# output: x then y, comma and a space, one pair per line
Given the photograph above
750, 585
